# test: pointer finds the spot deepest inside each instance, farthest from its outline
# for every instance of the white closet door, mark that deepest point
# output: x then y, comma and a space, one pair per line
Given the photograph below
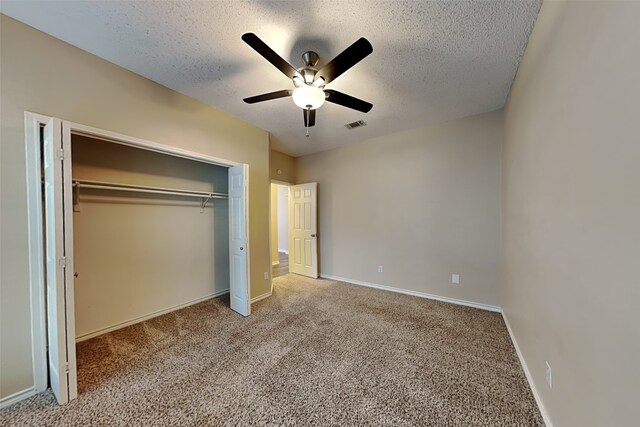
59, 241
239, 239
69, 275
303, 224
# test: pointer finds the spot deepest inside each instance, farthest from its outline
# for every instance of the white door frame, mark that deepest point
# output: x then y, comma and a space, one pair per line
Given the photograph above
286, 184
33, 123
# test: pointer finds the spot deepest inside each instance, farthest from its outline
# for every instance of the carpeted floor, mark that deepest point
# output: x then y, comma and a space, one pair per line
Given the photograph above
317, 352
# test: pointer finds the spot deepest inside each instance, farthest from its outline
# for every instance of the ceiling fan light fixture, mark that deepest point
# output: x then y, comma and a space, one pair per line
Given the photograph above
309, 93
308, 96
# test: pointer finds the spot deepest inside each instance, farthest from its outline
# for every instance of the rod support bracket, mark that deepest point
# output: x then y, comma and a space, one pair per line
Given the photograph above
204, 202
76, 197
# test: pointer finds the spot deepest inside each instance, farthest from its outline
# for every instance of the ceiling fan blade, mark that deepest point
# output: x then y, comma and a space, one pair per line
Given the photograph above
347, 101
268, 96
268, 54
310, 116
347, 59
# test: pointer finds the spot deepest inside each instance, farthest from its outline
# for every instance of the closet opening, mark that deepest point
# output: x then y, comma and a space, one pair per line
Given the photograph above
124, 230
150, 236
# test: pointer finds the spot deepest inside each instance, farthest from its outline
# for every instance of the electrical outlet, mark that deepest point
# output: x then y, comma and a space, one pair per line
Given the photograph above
549, 375
455, 279
266, 275
380, 269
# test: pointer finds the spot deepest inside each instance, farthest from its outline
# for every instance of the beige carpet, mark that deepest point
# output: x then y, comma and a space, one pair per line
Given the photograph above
317, 352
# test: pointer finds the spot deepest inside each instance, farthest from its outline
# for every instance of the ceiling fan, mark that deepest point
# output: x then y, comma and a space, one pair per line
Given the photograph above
309, 93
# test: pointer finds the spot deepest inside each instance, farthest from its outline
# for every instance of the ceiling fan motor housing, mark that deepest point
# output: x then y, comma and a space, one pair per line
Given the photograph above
308, 71
310, 58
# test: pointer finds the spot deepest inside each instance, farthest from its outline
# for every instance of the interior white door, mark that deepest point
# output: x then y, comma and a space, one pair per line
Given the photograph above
303, 247
239, 239
59, 258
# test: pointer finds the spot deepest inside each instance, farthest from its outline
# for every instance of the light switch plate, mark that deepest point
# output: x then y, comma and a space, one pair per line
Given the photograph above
455, 279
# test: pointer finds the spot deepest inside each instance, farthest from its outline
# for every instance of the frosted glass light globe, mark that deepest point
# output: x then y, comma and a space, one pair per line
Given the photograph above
308, 95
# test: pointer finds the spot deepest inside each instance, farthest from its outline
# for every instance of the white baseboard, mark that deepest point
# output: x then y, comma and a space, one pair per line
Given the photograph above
274, 263
16, 397
282, 251
148, 316
261, 297
415, 293
527, 373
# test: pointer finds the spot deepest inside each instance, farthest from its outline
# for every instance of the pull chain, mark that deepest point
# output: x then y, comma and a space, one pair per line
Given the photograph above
308, 118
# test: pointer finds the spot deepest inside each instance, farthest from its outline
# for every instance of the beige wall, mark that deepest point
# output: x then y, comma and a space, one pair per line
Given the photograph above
284, 163
44, 75
137, 254
571, 212
423, 203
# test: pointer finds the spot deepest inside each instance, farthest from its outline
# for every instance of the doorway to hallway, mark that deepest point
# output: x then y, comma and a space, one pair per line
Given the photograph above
279, 230
294, 229
282, 267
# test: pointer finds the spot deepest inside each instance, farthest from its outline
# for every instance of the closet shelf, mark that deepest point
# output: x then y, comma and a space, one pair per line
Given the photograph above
113, 186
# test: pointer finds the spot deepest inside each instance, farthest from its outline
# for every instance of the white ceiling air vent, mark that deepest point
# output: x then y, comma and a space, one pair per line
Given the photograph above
354, 125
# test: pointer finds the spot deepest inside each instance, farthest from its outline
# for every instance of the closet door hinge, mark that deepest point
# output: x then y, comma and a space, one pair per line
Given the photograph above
60, 154
62, 262
66, 367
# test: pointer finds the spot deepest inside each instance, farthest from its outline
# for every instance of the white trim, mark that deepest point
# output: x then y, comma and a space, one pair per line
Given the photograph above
18, 396
35, 242
527, 373
148, 316
118, 138
414, 293
261, 297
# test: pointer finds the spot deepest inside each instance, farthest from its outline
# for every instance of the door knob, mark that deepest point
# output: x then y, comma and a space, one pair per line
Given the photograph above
241, 248
313, 235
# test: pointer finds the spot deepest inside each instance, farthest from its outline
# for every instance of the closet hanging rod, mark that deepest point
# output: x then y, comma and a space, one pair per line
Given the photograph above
101, 185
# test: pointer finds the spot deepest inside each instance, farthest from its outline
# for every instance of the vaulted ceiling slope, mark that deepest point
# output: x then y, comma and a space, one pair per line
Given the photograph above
432, 61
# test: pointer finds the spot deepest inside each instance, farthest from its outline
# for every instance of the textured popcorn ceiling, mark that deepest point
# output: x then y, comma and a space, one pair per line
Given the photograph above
432, 61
